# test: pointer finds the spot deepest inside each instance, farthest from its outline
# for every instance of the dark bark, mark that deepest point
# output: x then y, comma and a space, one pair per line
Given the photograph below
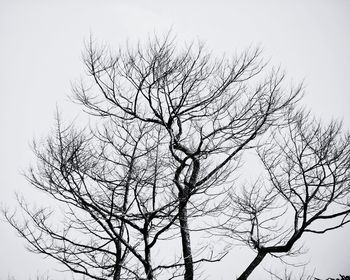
186, 241
184, 195
118, 268
147, 262
257, 260
119, 256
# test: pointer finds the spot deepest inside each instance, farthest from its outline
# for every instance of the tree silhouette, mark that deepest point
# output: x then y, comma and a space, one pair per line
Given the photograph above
170, 126
306, 190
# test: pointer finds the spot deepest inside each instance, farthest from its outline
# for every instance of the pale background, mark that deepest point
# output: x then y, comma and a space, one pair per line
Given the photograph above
40, 55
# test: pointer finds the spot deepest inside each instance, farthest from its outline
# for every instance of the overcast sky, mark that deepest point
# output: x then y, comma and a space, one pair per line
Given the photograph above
40, 55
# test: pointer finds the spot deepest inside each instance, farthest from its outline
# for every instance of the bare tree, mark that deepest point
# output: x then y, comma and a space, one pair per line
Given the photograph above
179, 122
306, 190
211, 109
119, 199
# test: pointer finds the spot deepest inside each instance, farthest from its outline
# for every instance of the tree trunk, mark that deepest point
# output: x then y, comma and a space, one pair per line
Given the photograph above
257, 260
147, 263
118, 268
149, 272
186, 241
117, 272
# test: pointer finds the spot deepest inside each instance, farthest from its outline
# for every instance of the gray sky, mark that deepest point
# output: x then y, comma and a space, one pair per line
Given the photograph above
40, 54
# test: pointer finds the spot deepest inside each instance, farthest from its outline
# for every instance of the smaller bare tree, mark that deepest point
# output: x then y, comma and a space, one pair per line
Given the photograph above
306, 190
118, 200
